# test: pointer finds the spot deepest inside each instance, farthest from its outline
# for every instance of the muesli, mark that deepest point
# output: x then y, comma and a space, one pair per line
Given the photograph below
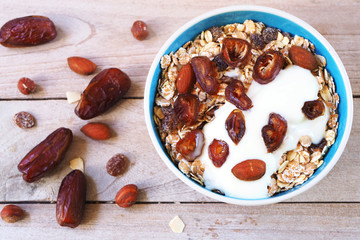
222, 71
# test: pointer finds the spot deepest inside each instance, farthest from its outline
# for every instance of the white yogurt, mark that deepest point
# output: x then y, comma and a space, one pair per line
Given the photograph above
285, 95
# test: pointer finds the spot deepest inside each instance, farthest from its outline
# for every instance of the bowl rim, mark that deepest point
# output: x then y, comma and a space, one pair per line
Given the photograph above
206, 192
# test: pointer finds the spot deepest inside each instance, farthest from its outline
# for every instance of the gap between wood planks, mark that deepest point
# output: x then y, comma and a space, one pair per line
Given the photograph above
151, 203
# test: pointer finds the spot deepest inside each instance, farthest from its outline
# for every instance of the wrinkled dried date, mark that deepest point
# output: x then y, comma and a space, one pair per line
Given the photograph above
186, 108
313, 109
46, 155
205, 72
218, 152
191, 145
103, 92
236, 94
274, 133
235, 125
235, 51
71, 199
268, 66
27, 31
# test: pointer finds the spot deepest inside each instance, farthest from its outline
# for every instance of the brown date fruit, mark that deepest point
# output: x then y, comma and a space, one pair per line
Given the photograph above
27, 31
26, 86
249, 170
268, 66
126, 196
274, 133
103, 92
318, 147
205, 72
11, 213
71, 199
186, 79
235, 93
191, 145
46, 155
302, 57
139, 30
170, 121
235, 51
186, 108
218, 152
235, 125
313, 109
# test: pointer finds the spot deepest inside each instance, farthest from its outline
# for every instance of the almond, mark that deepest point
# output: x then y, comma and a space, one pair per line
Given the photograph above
97, 131
11, 213
185, 79
81, 65
126, 197
249, 170
303, 58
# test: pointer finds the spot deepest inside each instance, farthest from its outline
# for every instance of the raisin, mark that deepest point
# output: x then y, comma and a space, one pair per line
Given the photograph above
117, 165
139, 30
257, 41
24, 120
269, 34
220, 63
216, 32
170, 121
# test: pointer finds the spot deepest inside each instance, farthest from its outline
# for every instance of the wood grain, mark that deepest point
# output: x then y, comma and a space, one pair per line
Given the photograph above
156, 181
203, 221
106, 39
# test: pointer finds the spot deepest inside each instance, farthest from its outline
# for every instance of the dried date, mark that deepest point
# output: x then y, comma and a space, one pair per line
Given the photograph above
274, 133
205, 72
103, 92
27, 31
71, 199
235, 93
46, 155
186, 108
235, 51
235, 125
313, 109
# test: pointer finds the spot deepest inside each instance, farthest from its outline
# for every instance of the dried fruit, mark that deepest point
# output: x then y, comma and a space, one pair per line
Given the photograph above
26, 86
268, 66
216, 32
27, 31
103, 92
249, 170
269, 34
235, 51
205, 72
236, 94
257, 41
96, 131
235, 125
186, 108
191, 145
318, 147
185, 79
313, 109
220, 63
46, 155
11, 213
170, 121
81, 65
126, 196
302, 57
24, 120
71, 199
117, 165
139, 30
218, 152
274, 133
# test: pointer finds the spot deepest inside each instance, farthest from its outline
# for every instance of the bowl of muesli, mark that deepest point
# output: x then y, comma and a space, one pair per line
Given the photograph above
248, 105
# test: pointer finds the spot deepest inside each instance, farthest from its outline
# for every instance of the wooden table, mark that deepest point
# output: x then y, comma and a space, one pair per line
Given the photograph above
100, 30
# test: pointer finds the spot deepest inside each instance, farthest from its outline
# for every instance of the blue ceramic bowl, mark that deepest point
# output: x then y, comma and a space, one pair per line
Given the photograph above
273, 18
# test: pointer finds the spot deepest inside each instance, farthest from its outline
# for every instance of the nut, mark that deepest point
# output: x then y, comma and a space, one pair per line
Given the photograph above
77, 164
80, 65
96, 131
303, 58
249, 170
24, 120
11, 213
26, 86
73, 97
177, 225
126, 196
117, 165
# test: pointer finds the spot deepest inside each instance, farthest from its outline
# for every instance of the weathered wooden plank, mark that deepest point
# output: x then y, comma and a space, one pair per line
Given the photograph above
106, 39
147, 170
203, 221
